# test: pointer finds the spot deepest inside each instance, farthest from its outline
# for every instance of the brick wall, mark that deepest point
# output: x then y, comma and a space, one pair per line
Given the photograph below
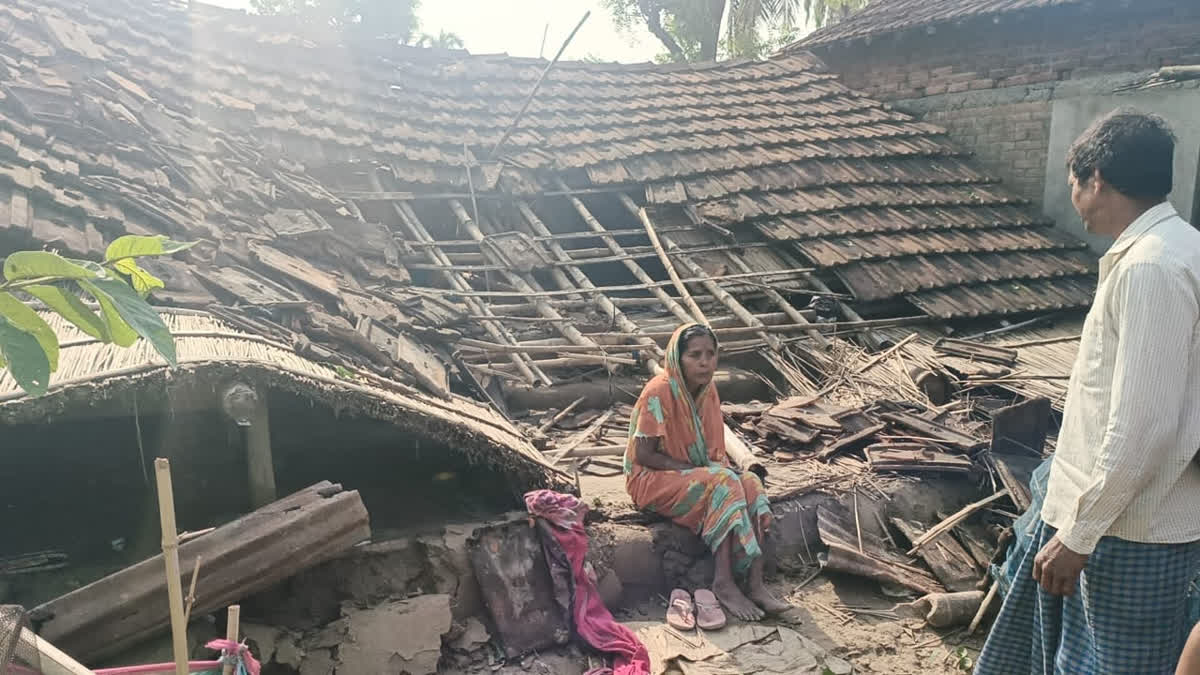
938, 74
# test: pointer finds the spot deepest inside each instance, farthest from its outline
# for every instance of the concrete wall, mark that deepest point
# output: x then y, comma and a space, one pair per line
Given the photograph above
1071, 114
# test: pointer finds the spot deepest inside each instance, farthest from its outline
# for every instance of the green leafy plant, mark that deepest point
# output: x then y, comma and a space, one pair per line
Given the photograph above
963, 660
119, 287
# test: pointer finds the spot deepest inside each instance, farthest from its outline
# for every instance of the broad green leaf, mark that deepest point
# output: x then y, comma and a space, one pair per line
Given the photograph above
28, 364
38, 264
135, 246
120, 332
22, 317
142, 281
138, 314
71, 308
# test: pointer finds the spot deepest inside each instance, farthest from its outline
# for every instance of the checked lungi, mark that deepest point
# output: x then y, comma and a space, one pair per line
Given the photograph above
1128, 613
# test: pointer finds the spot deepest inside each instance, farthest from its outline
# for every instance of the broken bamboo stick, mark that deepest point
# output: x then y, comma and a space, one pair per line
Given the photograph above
233, 622
559, 416
983, 608
695, 310
949, 523
582, 436
170, 549
883, 355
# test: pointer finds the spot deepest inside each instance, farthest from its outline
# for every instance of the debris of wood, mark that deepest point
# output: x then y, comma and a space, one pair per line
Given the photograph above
975, 351
952, 565
1014, 472
876, 561
853, 421
949, 523
770, 426
559, 416
852, 442
980, 551
913, 457
575, 441
240, 558
942, 434
885, 354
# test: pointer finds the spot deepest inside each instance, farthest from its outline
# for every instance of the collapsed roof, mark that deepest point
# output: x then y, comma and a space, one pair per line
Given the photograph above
370, 208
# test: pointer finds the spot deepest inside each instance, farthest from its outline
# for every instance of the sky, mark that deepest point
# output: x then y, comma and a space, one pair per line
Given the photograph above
516, 27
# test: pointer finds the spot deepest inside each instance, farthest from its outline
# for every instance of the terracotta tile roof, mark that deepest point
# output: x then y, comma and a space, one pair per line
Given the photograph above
888, 16
333, 187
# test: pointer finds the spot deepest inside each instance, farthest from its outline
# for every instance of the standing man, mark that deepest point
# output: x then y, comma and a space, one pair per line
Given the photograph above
1103, 587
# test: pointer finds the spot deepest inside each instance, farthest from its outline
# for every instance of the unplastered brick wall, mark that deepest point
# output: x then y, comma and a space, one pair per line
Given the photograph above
990, 81
1009, 140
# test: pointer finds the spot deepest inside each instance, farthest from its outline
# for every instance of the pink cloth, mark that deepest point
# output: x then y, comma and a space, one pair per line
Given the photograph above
593, 621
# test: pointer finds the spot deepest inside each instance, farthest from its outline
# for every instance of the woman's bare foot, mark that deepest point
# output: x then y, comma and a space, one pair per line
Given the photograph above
767, 600
736, 602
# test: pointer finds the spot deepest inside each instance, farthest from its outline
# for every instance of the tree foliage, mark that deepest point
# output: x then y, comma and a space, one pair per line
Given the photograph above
395, 19
118, 286
443, 40
691, 30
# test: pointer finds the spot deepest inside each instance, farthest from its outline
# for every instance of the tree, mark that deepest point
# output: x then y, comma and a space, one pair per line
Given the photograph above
691, 29
119, 286
394, 19
443, 40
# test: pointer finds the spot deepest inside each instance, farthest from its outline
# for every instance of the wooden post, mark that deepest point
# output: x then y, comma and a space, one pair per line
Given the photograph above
232, 627
53, 661
170, 548
260, 464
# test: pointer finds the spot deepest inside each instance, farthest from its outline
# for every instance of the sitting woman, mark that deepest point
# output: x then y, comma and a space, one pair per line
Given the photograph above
675, 466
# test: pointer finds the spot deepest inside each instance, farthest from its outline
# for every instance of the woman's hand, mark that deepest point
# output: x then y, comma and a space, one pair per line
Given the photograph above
650, 456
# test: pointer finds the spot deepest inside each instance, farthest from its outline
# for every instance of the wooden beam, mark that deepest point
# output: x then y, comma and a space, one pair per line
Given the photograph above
241, 558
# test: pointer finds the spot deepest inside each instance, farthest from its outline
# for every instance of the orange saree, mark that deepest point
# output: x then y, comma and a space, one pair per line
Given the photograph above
711, 499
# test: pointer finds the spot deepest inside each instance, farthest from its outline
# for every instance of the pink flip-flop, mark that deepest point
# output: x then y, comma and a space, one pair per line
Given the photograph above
680, 612
709, 614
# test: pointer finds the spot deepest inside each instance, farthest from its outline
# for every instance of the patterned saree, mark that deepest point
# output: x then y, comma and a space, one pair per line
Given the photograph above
710, 499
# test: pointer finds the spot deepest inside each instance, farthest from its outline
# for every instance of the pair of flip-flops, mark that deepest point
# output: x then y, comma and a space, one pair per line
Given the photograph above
705, 612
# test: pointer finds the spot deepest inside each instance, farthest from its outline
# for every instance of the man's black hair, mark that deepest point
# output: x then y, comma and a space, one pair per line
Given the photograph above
1133, 150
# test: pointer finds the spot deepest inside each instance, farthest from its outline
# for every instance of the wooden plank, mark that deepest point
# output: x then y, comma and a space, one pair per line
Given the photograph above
913, 457
248, 287
925, 428
578, 439
241, 558
51, 659
852, 442
952, 565
975, 351
296, 269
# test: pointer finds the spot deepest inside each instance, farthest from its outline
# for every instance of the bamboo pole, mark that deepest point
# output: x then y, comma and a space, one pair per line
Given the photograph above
697, 313
527, 284
581, 280
559, 416
536, 86
634, 268
500, 334
648, 285
170, 548
232, 629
